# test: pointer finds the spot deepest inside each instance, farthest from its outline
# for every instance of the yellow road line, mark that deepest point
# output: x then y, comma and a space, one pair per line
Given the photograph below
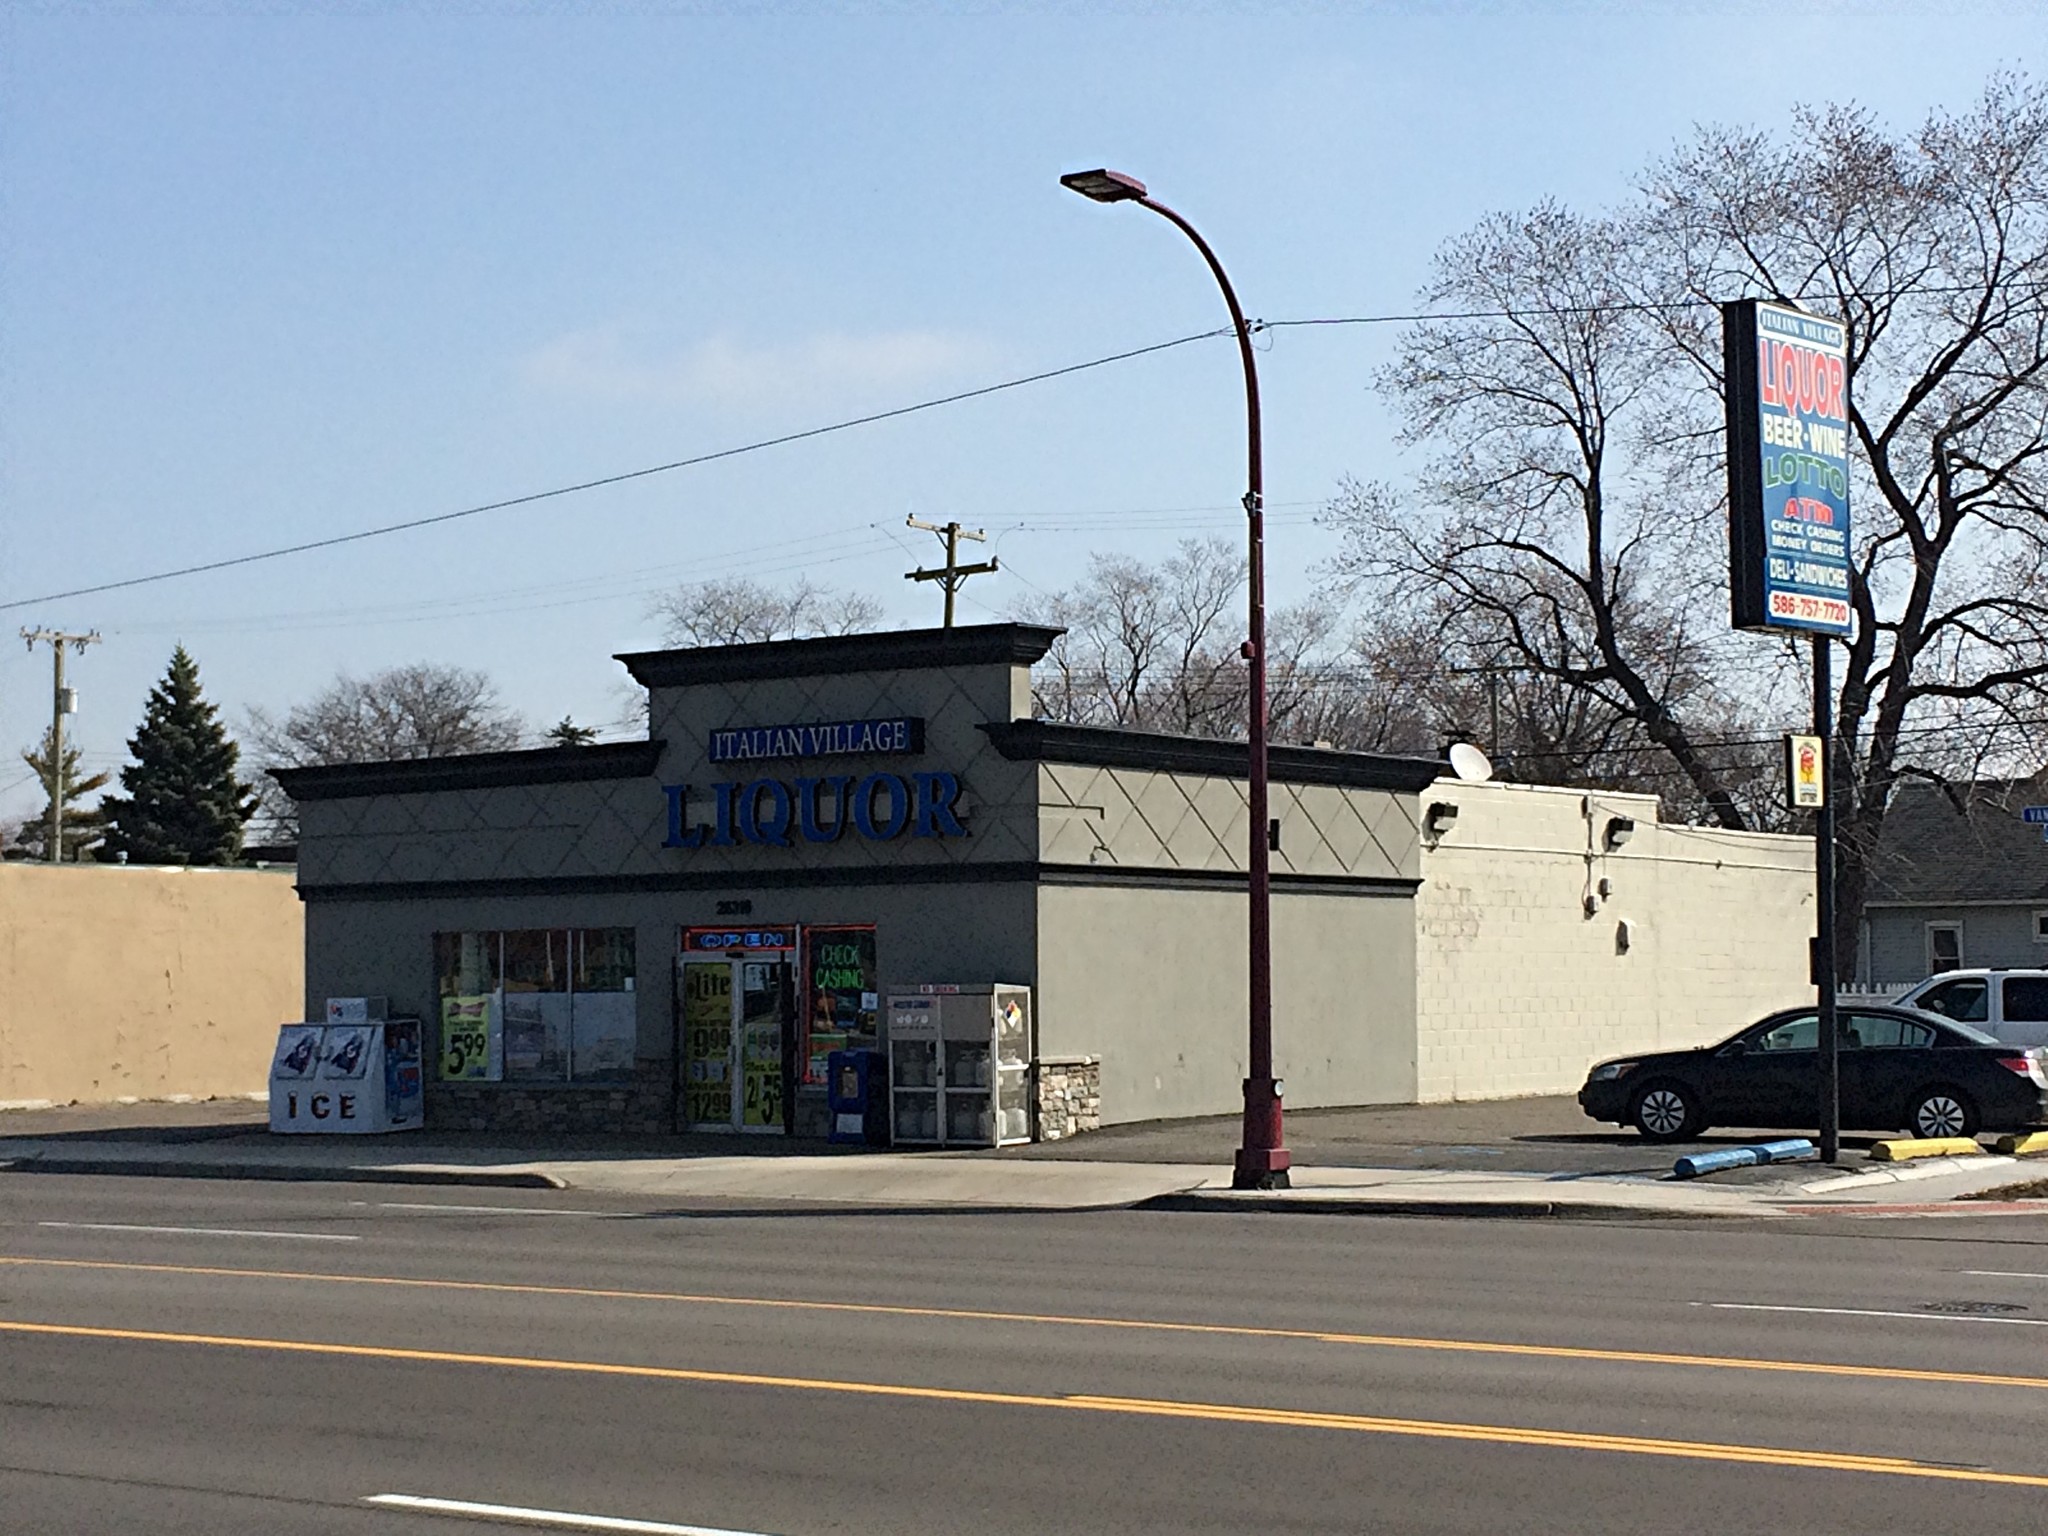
1053, 1319
1229, 1413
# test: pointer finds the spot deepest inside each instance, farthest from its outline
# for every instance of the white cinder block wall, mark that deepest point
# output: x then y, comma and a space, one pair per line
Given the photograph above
1519, 989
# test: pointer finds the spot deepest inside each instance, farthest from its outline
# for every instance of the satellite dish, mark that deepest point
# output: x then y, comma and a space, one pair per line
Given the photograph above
1469, 763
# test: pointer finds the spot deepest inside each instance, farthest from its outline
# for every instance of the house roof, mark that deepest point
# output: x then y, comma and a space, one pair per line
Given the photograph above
1963, 842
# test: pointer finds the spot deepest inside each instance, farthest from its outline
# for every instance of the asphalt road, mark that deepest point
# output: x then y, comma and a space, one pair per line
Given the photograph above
188, 1356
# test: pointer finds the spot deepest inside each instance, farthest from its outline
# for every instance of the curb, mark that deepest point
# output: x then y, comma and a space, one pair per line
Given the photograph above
1932, 1146
1504, 1210
1903, 1173
291, 1173
2024, 1146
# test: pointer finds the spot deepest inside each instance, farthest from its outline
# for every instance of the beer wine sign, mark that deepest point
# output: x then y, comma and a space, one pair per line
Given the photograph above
1788, 468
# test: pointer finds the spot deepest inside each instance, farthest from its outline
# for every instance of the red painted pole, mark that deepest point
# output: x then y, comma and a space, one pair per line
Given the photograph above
1262, 1158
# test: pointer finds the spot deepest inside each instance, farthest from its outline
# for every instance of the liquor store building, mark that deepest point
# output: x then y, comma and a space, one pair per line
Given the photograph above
674, 934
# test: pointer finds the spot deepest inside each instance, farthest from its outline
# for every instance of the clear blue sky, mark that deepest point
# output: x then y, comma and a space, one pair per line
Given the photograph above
271, 273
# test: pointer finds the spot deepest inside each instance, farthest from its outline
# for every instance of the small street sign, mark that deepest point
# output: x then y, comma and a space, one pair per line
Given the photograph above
1805, 773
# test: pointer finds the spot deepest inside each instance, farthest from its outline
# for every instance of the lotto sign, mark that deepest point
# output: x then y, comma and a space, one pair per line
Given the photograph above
1788, 468
1805, 773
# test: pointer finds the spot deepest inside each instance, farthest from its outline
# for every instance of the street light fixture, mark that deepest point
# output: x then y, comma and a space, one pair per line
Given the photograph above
1262, 1159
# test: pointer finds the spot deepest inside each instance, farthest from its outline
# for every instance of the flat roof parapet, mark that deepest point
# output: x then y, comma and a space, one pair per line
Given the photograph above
900, 650
1106, 747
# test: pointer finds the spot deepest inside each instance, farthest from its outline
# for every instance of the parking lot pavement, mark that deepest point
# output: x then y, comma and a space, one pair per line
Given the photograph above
1549, 1135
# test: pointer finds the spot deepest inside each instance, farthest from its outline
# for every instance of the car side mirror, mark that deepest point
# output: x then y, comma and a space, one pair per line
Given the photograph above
1737, 1048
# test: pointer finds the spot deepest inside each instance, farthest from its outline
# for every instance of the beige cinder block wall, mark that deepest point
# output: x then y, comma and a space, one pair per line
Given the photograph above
122, 982
1520, 990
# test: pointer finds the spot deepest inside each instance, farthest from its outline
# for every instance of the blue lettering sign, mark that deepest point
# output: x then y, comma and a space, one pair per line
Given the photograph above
875, 787
809, 800
766, 812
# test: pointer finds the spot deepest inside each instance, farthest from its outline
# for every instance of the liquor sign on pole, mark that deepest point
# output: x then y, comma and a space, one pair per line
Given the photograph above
1788, 468
1805, 773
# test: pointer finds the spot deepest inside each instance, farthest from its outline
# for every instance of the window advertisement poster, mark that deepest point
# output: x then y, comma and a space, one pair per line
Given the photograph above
1788, 468
469, 1029
404, 1088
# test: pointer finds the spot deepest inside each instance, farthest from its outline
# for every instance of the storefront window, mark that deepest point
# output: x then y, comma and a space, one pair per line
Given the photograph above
536, 1005
841, 1006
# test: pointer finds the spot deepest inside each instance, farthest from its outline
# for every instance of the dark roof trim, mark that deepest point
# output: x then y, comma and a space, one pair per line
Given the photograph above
482, 770
901, 651
1043, 742
727, 882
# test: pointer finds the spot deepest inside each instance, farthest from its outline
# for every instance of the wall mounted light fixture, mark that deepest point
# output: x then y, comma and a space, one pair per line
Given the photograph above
1437, 820
1619, 830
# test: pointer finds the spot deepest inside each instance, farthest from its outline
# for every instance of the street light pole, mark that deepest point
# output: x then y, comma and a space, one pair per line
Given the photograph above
1262, 1158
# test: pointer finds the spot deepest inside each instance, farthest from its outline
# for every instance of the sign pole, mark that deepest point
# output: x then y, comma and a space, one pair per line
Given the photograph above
1829, 1043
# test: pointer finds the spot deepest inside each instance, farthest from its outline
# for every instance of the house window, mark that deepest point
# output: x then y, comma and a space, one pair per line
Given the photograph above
1944, 947
2041, 927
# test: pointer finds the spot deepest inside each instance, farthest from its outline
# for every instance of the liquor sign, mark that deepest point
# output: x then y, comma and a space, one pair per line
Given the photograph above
1788, 468
1805, 773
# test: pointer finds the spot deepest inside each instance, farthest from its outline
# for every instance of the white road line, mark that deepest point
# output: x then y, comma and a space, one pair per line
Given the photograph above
512, 1514
2003, 1274
120, 1226
1918, 1317
481, 1210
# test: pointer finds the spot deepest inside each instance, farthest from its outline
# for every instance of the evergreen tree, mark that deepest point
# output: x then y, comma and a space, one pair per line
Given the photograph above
184, 804
82, 828
570, 734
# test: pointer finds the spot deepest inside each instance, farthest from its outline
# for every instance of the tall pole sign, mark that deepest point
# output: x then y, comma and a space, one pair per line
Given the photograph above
1787, 378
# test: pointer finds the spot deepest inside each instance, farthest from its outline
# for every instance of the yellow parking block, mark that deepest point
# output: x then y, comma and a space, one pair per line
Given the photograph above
2024, 1146
1937, 1146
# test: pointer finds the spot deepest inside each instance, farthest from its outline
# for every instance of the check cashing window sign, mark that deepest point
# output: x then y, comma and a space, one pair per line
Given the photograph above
1788, 468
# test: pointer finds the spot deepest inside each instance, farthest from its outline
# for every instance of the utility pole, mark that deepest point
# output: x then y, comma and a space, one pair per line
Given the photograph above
63, 701
952, 575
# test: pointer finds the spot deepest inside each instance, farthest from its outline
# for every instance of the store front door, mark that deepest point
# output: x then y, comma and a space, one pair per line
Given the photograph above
736, 1011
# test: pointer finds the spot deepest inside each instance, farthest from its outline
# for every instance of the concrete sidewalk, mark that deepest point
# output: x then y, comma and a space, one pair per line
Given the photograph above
227, 1140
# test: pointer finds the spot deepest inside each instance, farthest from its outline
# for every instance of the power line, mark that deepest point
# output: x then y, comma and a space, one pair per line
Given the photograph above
600, 482
618, 479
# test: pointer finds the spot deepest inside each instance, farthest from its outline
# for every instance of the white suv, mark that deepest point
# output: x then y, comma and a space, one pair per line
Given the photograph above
2012, 1005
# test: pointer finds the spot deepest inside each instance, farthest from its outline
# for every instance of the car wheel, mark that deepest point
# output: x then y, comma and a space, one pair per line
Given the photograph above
1942, 1112
1667, 1111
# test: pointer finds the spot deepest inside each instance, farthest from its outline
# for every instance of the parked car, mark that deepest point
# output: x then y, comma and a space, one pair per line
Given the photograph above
2008, 1005
1900, 1068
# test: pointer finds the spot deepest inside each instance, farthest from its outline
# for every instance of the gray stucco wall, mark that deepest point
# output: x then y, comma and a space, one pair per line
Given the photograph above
1153, 979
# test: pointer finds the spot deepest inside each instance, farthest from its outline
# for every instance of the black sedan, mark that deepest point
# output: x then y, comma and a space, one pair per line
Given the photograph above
1900, 1068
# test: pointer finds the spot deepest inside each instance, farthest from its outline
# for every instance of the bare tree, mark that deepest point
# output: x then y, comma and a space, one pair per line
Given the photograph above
423, 710
737, 612
1571, 512
1156, 647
